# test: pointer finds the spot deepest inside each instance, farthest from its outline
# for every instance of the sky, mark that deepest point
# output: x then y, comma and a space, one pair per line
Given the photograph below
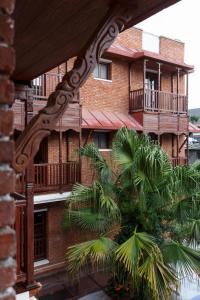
181, 21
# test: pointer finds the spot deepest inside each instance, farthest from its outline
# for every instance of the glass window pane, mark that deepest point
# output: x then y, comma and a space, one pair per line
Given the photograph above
104, 71
101, 140
96, 71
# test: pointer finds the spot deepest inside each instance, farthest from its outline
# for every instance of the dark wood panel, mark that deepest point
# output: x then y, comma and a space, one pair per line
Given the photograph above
160, 122
70, 119
150, 122
50, 32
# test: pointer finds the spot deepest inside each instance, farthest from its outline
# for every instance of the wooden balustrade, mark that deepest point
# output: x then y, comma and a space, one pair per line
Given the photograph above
52, 177
157, 101
45, 84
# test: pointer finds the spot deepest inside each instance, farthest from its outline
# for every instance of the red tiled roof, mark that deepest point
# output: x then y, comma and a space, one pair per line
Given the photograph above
193, 128
133, 54
108, 120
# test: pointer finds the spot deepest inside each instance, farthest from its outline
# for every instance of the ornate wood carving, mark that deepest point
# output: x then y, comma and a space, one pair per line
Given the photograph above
41, 125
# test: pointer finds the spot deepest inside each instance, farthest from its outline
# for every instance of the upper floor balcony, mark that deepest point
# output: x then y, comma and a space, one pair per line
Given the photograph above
51, 177
150, 100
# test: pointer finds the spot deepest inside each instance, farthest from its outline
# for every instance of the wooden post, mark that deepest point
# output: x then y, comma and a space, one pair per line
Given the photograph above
144, 79
159, 98
61, 173
187, 89
129, 85
177, 146
177, 88
187, 149
29, 175
172, 82
80, 143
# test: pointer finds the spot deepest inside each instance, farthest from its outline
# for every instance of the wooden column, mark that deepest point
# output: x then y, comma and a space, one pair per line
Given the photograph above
187, 149
159, 98
60, 156
177, 146
80, 144
144, 78
29, 175
177, 88
172, 82
187, 90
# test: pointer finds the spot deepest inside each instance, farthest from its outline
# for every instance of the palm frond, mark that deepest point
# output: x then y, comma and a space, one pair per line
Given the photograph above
89, 220
159, 277
143, 260
184, 259
81, 194
130, 252
97, 253
98, 162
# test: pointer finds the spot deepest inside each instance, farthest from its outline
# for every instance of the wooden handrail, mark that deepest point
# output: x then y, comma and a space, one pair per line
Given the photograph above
154, 100
53, 177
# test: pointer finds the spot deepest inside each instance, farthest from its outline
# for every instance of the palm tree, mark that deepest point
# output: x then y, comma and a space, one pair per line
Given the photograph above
154, 208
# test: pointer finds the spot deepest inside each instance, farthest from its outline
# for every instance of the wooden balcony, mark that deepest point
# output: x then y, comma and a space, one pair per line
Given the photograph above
45, 84
158, 101
52, 178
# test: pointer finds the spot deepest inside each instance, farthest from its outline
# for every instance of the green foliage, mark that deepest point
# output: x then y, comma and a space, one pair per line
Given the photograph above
194, 119
96, 252
155, 205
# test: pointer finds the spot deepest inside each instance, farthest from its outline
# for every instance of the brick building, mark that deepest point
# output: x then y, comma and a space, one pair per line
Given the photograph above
130, 86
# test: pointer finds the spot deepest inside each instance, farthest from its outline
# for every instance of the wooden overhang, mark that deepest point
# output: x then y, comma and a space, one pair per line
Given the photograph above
50, 32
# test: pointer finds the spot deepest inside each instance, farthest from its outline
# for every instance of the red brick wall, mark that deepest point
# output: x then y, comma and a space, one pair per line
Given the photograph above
107, 95
171, 148
7, 178
131, 38
172, 49
53, 147
58, 238
88, 173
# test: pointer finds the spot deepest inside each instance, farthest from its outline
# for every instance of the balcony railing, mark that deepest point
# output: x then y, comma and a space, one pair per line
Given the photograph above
45, 84
157, 101
52, 177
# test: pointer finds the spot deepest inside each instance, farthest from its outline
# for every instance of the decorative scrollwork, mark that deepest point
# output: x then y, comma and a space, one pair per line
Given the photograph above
41, 125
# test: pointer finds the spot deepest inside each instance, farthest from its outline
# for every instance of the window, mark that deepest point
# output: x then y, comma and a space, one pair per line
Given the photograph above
40, 235
101, 139
37, 85
103, 70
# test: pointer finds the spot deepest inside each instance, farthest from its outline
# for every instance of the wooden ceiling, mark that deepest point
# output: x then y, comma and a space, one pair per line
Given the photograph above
50, 32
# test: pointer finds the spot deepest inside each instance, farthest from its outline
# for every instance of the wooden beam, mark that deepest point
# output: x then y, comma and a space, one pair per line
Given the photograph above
41, 125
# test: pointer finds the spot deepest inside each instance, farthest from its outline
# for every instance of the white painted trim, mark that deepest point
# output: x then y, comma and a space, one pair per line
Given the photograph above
49, 198
41, 263
105, 150
106, 80
23, 296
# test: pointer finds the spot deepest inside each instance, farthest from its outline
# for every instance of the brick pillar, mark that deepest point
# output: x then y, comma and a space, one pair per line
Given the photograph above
7, 177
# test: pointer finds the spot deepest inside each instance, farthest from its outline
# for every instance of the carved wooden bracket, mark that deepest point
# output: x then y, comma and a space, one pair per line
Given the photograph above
41, 125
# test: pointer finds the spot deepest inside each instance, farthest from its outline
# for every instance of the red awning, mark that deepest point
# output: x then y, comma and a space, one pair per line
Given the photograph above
134, 54
193, 128
94, 119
